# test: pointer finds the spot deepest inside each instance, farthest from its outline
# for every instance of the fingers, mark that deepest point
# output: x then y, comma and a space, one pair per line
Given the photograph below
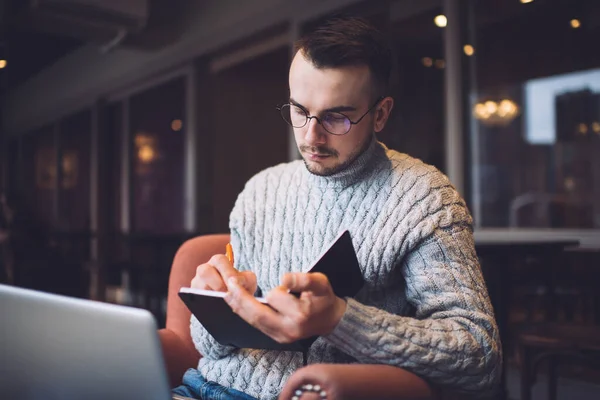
287, 318
315, 282
223, 265
213, 275
248, 281
208, 278
252, 311
284, 298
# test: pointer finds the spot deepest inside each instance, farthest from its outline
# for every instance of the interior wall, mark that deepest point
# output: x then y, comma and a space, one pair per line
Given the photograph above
249, 135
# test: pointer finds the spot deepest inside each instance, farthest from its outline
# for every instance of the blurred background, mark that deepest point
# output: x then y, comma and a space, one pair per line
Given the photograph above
128, 126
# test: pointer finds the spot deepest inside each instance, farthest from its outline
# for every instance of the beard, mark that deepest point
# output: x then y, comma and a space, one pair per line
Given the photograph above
319, 170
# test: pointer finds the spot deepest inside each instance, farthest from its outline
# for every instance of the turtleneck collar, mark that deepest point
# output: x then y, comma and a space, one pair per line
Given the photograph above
366, 163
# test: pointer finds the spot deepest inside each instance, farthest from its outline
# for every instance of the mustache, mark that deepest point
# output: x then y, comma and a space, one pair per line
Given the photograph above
318, 150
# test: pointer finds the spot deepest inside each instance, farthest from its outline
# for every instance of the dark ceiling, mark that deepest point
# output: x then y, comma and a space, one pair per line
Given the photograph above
30, 50
27, 51
30, 47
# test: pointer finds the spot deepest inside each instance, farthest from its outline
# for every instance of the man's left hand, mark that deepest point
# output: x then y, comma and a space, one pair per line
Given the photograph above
288, 318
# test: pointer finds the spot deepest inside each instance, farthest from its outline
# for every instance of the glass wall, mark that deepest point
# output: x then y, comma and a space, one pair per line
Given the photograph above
416, 126
114, 139
535, 113
157, 118
39, 173
74, 195
13, 159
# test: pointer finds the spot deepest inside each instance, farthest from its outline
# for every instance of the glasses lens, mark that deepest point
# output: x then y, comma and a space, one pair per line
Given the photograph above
293, 115
336, 123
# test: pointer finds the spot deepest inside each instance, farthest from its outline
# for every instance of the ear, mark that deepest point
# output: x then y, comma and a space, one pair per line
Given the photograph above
382, 113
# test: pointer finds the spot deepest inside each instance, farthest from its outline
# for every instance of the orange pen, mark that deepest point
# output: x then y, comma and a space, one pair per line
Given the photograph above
229, 252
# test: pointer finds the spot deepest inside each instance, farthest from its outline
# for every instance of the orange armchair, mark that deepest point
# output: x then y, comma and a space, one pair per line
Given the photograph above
340, 381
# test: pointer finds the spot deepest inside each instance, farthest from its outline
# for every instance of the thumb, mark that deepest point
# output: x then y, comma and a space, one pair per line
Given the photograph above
314, 282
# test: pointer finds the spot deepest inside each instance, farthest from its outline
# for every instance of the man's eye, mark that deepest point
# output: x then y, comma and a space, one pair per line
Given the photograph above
334, 118
297, 110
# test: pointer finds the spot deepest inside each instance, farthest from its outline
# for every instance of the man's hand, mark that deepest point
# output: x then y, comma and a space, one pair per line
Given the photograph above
213, 275
316, 312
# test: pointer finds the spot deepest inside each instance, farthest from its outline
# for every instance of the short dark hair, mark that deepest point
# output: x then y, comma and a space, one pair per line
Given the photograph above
344, 41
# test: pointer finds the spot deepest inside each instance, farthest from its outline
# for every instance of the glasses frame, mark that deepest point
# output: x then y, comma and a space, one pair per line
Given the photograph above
318, 119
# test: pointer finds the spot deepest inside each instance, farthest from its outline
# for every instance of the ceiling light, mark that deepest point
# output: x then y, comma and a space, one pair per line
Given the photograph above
497, 113
427, 61
507, 108
526, 1
441, 21
596, 127
176, 125
582, 129
146, 154
569, 183
2, 64
469, 50
491, 107
441, 64
575, 23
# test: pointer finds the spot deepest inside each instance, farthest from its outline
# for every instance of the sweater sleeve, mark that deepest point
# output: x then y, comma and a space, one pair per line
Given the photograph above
453, 339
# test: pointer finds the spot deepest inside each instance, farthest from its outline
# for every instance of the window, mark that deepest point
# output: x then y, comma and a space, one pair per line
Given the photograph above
74, 196
39, 177
157, 119
416, 126
536, 114
13, 166
114, 140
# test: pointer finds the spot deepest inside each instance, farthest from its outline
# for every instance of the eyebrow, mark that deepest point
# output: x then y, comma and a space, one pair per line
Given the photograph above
332, 109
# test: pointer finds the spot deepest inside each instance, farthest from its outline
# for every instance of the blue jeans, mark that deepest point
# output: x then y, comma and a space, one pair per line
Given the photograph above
195, 386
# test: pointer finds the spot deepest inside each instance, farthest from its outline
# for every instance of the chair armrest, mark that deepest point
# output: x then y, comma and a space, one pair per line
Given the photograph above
358, 381
178, 355
178, 349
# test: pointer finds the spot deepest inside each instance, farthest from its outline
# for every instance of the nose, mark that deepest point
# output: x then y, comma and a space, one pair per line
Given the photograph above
315, 133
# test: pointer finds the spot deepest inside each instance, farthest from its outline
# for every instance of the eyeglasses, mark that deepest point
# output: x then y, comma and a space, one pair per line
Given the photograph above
335, 123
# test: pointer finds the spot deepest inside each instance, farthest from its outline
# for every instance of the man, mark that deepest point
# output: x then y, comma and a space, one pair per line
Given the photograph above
424, 306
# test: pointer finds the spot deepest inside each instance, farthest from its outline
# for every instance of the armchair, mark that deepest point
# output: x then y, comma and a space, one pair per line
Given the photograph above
339, 381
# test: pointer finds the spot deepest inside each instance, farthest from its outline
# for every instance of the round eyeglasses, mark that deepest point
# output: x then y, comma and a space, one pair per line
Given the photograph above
335, 123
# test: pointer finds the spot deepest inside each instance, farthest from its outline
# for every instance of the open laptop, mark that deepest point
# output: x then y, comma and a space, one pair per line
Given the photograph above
57, 347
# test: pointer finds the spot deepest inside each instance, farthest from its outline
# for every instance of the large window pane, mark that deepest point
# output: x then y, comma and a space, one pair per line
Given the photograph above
13, 166
416, 126
39, 178
74, 198
114, 131
536, 114
157, 124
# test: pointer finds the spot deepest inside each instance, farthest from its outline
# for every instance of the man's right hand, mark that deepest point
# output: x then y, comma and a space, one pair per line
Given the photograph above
213, 275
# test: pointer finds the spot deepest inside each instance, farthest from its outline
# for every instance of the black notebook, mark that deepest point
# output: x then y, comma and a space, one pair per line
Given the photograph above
338, 262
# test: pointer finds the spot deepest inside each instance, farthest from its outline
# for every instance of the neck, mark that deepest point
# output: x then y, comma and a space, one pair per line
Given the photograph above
364, 164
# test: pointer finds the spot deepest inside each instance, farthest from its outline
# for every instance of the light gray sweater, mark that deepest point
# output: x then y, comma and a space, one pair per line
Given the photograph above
424, 306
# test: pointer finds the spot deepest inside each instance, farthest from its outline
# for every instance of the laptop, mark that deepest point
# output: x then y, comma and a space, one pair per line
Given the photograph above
56, 347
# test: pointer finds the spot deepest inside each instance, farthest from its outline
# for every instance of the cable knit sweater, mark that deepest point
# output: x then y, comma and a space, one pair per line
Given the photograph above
424, 306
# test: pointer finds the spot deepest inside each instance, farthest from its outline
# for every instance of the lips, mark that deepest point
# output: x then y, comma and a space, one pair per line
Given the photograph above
317, 156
